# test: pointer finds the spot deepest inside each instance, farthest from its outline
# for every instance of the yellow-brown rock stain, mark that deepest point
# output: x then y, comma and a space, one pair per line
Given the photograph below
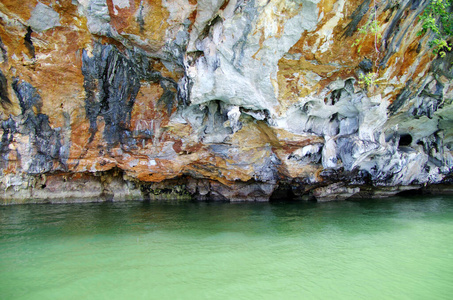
337, 62
152, 30
342, 58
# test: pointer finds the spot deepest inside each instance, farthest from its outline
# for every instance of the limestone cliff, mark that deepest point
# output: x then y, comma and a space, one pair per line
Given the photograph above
220, 99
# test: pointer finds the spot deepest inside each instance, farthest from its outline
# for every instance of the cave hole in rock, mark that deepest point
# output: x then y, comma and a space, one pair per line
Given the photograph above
411, 193
405, 140
29, 43
283, 193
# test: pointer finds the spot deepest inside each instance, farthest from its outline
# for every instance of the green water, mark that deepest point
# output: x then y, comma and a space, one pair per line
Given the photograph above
400, 248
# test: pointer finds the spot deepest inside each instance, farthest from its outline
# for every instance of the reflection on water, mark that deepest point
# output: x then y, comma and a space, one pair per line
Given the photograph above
400, 248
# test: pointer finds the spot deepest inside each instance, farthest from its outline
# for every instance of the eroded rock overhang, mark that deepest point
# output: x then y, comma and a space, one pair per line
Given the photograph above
222, 100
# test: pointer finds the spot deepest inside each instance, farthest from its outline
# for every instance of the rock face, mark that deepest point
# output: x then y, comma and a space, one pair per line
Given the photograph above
236, 100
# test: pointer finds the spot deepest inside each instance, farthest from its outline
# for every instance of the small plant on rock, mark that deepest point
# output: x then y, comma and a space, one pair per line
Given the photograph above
372, 26
368, 79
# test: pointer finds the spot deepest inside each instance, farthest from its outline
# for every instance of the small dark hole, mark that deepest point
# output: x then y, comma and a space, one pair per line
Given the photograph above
405, 140
409, 193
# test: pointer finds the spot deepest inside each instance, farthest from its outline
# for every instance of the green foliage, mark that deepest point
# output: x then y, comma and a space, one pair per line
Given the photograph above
371, 27
368, 79
437, 17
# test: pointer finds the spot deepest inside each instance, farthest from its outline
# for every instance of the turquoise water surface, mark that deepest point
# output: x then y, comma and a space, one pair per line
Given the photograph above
398, 248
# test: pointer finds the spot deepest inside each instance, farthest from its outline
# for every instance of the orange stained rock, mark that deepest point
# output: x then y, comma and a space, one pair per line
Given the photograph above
300, 78
21, 9
289, 140
120, 17
252, 135
145, 104
55, 71
143, 19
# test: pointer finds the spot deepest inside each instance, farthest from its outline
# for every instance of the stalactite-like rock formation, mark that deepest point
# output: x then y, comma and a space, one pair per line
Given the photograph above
239, 100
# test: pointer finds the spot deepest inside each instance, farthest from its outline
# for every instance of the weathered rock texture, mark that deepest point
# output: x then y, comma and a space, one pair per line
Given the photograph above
220, 99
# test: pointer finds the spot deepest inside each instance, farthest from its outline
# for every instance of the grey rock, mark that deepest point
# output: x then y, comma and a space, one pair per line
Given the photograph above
43, 18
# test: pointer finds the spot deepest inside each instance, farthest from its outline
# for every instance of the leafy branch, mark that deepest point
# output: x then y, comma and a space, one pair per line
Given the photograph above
368, 79
372, 26
438, 19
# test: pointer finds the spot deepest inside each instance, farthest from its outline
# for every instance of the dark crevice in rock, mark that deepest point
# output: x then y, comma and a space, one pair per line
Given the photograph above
29, 43
4, 97
207, 30
405, 140
184, 88
411, 192
284, 192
